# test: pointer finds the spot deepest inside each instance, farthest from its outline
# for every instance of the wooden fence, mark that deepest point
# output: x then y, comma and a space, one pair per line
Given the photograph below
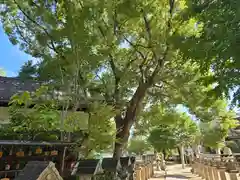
217, 167
144, 168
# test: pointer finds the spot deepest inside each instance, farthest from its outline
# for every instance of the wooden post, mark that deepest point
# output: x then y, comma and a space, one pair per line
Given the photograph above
143, 177
149, 170
152, 169
138, 174
146, 172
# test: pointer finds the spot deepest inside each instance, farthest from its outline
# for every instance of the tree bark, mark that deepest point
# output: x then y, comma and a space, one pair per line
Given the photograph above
164, 154
124, 124
122, 136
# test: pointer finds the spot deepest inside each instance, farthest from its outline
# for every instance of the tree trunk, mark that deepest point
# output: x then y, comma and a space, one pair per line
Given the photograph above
122, 136
124, 124
164, 154
182, 156
179, 157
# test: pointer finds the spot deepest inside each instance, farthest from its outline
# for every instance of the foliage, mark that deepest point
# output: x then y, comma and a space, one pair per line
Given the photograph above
138, 146
162, 138
2, 72
100, 129
42, 117
222, 120
120, 52
37, 116
28, 71
217, 46
168, 135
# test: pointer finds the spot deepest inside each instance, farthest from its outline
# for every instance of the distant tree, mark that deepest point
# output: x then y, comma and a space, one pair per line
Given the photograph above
162, 138
2, 72
138, 146
217, 120
28, 71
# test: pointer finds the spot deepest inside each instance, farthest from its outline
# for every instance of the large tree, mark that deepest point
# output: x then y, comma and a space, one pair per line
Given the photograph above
28, 71
116, 51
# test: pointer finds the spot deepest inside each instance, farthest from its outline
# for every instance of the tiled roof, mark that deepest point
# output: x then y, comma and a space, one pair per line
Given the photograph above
87, 167
11, 85
32, 170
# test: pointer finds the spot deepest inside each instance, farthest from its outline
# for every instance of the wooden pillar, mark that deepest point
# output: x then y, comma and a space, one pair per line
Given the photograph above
146, 172
143, 174
152, 169
138, 174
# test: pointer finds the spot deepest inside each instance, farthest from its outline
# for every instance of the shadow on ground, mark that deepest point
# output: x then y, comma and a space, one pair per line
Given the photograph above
177, 176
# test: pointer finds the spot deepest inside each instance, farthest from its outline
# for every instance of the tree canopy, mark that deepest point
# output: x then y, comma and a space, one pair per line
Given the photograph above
217, 46
127, 54
171, 134
138, 146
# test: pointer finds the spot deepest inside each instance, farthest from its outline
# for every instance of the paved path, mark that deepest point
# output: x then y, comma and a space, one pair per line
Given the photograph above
175, 172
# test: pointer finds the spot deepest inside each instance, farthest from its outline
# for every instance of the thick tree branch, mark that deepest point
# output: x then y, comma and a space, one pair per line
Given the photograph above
163, 59
147, 27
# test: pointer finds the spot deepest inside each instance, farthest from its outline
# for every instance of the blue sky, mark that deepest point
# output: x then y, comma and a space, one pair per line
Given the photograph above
11, 57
